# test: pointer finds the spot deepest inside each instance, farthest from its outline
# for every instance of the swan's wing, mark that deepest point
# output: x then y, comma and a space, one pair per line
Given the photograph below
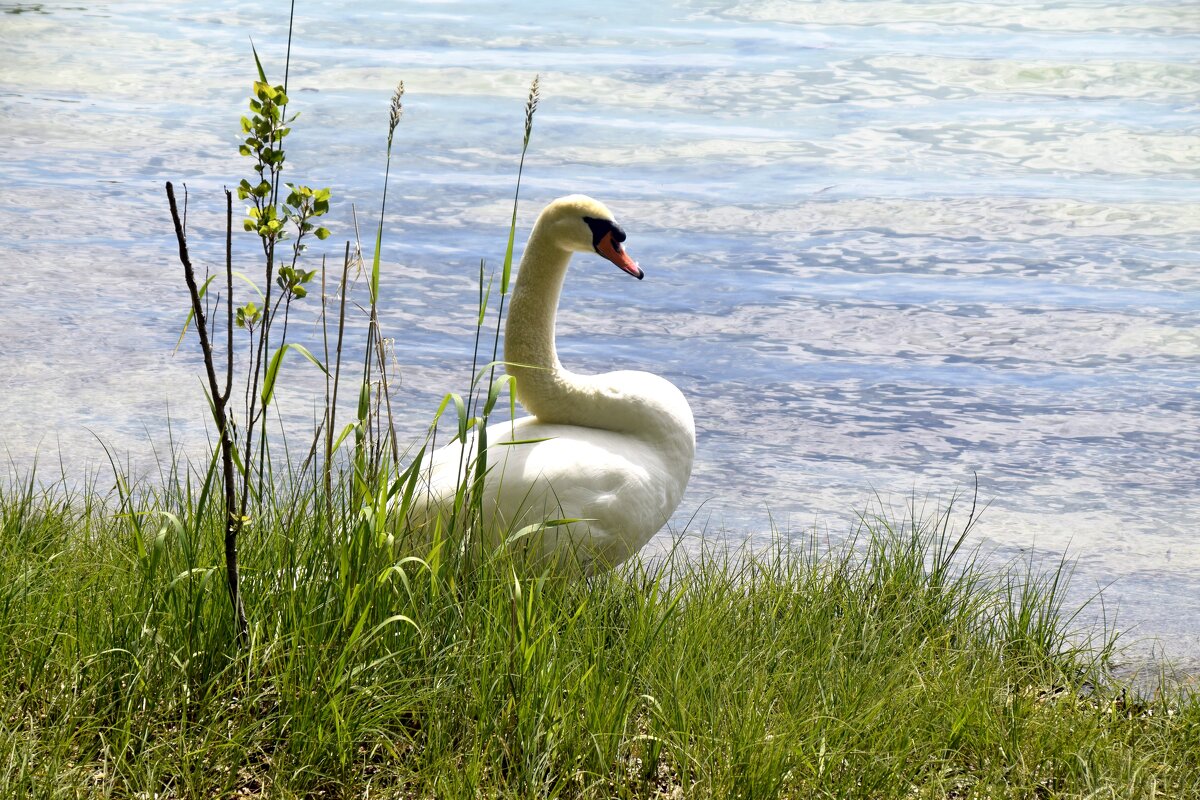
615, 485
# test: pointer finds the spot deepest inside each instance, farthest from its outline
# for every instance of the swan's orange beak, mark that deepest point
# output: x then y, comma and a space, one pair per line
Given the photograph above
612, 250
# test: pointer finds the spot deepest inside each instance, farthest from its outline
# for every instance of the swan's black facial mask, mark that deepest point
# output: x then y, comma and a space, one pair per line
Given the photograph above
606, 240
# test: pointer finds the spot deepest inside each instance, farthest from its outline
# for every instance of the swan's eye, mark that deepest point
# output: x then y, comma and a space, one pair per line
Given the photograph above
603, 227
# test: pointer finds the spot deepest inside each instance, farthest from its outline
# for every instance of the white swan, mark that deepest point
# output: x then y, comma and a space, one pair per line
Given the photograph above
613, 450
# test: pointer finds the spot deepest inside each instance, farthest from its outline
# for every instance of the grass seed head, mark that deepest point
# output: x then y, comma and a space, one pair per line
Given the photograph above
531, 105
397, 110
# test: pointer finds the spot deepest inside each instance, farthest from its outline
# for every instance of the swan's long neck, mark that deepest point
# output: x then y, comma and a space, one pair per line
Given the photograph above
549, 392
529, 331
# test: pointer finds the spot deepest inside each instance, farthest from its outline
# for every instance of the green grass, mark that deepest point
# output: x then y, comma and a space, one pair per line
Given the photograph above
894, 666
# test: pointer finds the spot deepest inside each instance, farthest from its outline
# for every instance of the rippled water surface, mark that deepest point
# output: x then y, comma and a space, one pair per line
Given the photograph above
889, 245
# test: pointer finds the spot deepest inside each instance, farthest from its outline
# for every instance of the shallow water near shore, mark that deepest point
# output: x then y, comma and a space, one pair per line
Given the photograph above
889, 247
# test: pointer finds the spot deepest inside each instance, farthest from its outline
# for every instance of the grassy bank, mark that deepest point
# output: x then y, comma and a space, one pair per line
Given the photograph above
878, 670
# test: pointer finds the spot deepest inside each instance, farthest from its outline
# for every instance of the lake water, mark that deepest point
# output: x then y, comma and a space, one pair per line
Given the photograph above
889, 246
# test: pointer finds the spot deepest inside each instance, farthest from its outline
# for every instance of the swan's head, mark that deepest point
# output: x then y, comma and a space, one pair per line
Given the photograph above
581, 224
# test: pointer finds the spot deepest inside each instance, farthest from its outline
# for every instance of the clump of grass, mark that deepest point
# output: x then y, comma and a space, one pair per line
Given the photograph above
879, 668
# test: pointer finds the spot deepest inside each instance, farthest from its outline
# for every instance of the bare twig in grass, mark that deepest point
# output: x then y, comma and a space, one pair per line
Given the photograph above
220, 398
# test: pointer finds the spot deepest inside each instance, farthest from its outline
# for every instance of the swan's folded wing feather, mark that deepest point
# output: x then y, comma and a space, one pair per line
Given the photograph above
612, 483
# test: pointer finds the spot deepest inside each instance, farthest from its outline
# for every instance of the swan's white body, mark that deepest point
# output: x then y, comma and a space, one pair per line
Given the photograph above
613, 451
